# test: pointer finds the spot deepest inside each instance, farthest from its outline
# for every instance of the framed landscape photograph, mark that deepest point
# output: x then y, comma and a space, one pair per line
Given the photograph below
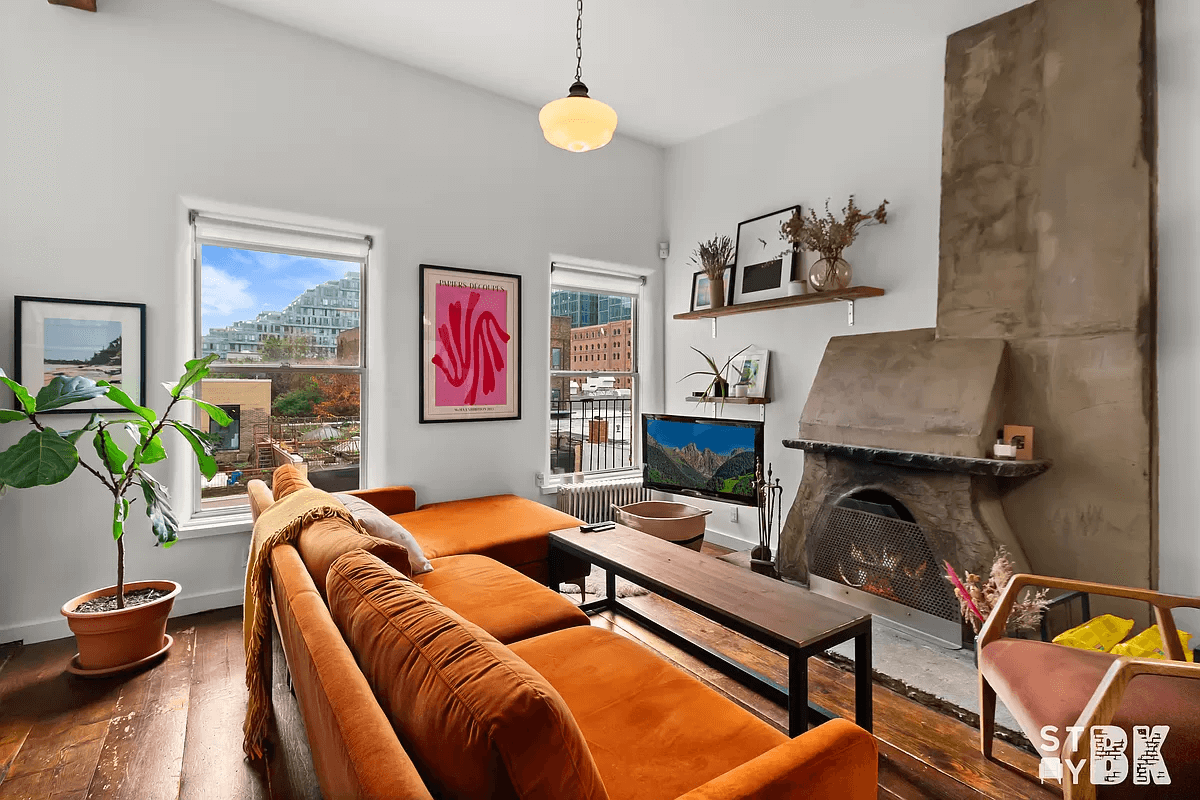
701, 298
470, 345
752, 371
89, 338
764, 260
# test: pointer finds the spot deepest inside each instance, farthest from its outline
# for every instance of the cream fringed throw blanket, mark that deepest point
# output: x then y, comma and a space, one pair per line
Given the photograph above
281, 523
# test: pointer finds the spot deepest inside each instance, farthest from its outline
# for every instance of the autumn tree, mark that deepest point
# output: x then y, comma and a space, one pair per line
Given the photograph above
340, 393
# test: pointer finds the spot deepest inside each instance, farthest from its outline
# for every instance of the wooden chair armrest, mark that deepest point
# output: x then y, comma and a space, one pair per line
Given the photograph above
993, 628
1103, 706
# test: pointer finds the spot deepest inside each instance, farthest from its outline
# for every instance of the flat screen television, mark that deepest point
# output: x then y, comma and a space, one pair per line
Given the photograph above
713, 458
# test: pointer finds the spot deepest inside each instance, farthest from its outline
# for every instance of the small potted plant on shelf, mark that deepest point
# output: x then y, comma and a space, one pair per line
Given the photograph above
124, 625
829, 237
713, 258
718, 385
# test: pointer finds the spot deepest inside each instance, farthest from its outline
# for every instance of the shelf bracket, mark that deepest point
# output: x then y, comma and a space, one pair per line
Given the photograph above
714, 327
849, 313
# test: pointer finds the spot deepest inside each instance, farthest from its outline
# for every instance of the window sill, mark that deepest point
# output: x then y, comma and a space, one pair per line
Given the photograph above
550, 484
220, 525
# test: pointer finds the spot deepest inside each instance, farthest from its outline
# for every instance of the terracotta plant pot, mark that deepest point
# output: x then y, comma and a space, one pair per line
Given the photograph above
110, 639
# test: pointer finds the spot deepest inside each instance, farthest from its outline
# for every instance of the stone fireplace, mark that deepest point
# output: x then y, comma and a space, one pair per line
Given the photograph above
898, 477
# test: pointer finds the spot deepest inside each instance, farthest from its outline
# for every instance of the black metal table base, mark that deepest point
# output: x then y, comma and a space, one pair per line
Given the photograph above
801, 712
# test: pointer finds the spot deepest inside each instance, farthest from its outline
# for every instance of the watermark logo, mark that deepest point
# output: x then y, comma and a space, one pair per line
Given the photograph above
1109, 762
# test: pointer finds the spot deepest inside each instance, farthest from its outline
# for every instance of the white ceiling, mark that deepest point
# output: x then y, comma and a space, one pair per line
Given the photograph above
672, 69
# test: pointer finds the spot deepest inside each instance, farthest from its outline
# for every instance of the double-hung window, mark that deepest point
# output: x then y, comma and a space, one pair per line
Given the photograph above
593, 399
283, 308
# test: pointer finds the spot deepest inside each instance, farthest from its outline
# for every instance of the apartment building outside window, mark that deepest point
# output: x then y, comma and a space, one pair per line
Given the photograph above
594, 397
282, 307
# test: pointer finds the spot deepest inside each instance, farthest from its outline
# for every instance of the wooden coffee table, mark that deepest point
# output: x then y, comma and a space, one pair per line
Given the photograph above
794, 621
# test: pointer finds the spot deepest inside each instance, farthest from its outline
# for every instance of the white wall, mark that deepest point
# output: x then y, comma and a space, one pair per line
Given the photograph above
110, 119
1179, 300
878, 137
881, 137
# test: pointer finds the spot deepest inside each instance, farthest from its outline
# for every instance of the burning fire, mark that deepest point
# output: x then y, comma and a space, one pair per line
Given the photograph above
874, 570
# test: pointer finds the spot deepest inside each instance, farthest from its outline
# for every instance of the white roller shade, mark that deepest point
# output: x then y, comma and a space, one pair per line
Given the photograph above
250, 235
569, 276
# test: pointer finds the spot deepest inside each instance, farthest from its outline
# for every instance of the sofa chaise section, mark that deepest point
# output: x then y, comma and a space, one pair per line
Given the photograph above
513, 530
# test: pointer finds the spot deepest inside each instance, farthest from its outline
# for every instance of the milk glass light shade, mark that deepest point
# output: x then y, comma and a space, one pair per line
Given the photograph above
577, 122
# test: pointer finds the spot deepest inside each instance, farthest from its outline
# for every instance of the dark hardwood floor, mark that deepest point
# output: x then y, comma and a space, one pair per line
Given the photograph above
175, 730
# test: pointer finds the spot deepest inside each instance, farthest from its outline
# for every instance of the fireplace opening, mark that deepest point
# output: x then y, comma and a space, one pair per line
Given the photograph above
869, 541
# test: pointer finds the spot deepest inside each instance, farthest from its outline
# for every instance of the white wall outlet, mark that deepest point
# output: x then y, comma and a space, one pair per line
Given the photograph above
664, 249
733, 514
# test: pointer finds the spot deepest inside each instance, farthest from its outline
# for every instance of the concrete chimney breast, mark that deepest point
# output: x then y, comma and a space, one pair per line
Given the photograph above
908, 391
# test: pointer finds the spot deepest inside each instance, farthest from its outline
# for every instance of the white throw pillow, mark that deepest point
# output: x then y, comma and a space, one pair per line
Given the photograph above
381, 526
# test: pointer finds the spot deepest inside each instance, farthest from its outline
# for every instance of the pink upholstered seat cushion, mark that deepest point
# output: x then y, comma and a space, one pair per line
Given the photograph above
1049, 684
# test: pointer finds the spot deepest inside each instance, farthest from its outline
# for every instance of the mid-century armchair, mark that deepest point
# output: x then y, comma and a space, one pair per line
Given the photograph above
1045, 684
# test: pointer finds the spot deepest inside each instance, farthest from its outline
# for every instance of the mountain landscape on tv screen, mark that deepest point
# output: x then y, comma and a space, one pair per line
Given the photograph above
692, 468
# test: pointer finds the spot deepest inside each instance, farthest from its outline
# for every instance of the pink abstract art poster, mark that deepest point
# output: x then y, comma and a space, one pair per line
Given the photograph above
470, 345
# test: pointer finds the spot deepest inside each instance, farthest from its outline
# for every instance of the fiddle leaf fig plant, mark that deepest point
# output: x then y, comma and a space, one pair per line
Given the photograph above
122, 448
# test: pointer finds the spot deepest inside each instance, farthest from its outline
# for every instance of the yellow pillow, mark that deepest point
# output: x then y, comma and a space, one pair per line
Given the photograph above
1099, 633
1149, 644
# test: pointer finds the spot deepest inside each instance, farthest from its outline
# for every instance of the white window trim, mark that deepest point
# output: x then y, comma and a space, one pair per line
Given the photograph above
593, 276
184, 474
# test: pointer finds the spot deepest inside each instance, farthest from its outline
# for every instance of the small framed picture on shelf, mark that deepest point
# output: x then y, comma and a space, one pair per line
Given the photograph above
765, 261
752, 371
99, 340
702, 298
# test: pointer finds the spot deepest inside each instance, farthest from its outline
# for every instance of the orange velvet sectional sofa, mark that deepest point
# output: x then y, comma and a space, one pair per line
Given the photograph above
476, 681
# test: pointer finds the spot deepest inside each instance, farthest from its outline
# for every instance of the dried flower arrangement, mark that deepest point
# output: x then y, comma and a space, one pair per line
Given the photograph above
827, 235
976, 601
714, 256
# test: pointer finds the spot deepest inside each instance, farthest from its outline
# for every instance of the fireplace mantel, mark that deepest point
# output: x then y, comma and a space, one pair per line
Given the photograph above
999, 468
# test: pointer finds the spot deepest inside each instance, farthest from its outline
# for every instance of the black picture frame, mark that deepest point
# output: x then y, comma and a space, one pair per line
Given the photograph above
757, 248
696, 276
25, 315
430, 337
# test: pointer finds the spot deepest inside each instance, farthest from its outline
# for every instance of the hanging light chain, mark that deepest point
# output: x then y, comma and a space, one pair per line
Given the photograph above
579, 44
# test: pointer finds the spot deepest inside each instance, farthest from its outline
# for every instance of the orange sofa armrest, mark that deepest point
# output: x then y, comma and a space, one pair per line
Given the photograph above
834, 761
391, 500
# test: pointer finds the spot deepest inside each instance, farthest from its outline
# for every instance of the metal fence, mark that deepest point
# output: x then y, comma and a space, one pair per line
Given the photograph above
591, 434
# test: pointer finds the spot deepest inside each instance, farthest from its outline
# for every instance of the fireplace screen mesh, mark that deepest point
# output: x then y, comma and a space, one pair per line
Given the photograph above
882, 555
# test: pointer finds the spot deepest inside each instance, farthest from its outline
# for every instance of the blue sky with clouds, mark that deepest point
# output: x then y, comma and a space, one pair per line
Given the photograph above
721, 439
238, 284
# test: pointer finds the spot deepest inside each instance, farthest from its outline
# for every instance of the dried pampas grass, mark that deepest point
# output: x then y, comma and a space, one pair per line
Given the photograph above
977, 599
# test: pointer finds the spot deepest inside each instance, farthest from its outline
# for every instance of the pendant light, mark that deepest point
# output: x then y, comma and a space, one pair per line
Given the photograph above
577, 122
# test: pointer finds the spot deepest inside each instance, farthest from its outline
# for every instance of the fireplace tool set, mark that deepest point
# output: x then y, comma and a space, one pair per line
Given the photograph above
770, 517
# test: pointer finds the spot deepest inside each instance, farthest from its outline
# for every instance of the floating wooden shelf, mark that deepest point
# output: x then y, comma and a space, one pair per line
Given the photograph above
737, 401
812, 299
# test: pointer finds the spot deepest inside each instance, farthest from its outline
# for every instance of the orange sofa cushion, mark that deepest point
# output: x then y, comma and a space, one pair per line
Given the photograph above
1048, 684
477, 721
287, 479
502, 601
654, 731
354, 750
323, 541
505, 527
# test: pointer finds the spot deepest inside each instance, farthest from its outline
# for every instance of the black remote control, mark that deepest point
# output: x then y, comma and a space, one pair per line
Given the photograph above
596, 527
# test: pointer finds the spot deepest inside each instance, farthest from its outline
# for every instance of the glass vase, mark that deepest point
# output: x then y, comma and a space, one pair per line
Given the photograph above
830, 275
